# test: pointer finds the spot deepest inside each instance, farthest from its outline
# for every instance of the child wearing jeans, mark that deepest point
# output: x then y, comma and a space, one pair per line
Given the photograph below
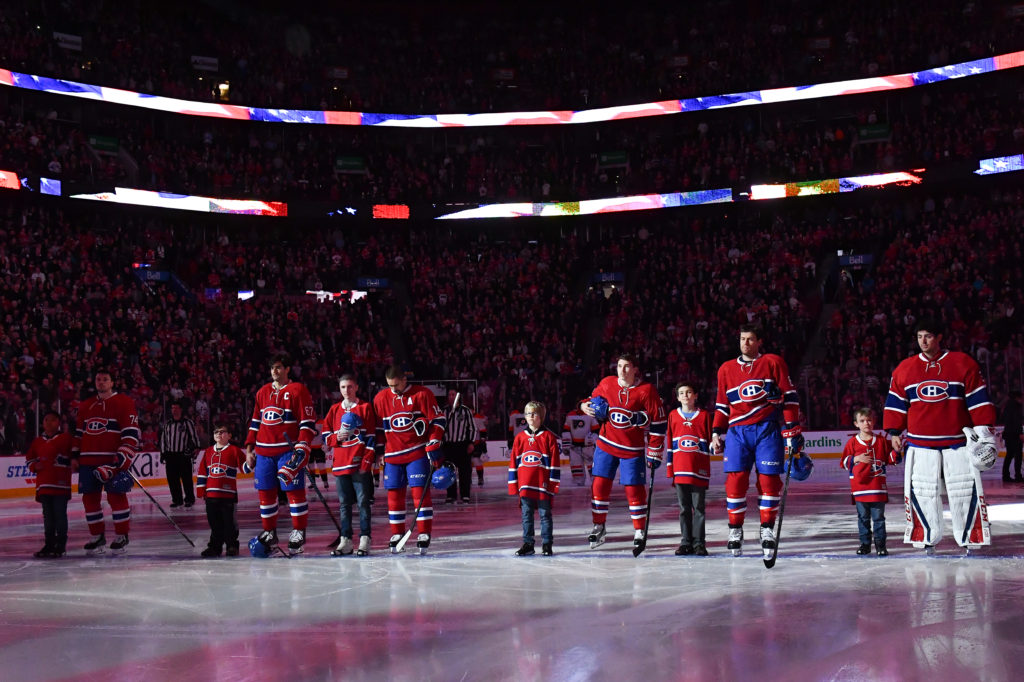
533, 474
49, 458
865, 457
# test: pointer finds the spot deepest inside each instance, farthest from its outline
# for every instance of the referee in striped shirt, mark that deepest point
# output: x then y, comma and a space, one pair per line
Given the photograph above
459, 434
178, 444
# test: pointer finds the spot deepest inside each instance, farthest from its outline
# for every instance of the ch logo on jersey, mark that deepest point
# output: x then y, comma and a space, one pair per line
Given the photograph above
752, 391
95, 426
933, 391
272, 415
530, 460
688, 445
218, 470
620, 418
401, 421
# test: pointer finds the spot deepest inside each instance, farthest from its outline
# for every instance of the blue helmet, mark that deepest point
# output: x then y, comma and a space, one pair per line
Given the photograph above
600, 407
351, 421
443, 476
802, 466
258, 549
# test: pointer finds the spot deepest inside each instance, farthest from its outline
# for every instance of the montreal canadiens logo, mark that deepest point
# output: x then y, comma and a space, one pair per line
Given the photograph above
218, 470
273, 415
96, 426
688, 445
752, 391
530, 459
933, 391
619, 417
402, 421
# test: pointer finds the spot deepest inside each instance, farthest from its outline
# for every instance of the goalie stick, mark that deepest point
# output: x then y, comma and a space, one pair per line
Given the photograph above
153, 500
647, 522
423, 497
769, 559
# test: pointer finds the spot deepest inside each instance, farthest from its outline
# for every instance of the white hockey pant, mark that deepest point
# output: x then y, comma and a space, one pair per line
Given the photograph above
927, 473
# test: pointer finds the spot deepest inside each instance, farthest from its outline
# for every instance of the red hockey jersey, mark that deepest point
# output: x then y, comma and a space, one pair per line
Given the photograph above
533, 469
689, 458
282, 419
217, 473
867, 481
401, 416
354, 453
579, 429
934, 399
107, 432
49, 458
623, 434
753, 392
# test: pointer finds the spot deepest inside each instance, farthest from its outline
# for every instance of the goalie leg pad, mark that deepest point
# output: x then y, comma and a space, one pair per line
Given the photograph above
922, 488
967, 508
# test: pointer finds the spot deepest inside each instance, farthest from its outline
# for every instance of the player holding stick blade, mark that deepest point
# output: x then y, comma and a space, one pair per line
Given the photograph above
630, 413
752, 391
277, 448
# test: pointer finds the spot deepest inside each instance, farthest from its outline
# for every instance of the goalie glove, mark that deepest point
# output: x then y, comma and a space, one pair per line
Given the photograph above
981, 447
104, 472
793, 438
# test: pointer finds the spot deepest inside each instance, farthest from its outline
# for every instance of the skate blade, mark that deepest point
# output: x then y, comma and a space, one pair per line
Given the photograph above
737, 552
361, 553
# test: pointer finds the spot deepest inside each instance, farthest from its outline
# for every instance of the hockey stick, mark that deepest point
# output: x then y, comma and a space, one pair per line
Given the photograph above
312, 479
153, 500
769, 560
647, 522
423, 496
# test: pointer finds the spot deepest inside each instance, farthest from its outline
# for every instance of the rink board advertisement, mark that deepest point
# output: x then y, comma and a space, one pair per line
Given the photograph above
17, 481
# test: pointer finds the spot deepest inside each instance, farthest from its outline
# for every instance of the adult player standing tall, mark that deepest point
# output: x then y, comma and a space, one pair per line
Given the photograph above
413, 427
630, 413
752, 390
934, 395
277, 448
106, 439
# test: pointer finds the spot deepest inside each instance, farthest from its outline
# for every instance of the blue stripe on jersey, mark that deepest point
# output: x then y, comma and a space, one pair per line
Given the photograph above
894, 402
977, 398
659, 428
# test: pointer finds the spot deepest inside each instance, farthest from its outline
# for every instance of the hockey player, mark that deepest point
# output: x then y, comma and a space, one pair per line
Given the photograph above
49, 458
865, 457
689, 466
752, 390
217, 483
277, 450
533, 475
630, 413
480, 447
934, 395
350, 429
106, 440
578, 433
413, 426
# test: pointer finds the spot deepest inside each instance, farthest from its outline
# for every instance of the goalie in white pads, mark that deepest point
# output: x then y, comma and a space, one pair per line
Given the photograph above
937, 396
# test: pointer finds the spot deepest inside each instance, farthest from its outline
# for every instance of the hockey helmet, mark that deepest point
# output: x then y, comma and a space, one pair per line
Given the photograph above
600, 407
351, 421
801, 467
258, 549
444, 476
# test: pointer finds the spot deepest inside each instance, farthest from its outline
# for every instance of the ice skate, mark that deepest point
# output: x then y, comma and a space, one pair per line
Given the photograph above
596, 537
422, 542
97, 545
364, 545
393, 542
119, 545
268, 539
638, 537
344, 547
296, 540
767, 541
735, 544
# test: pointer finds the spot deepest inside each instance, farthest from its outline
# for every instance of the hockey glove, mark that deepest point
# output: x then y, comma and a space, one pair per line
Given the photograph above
433, 449
104, 473
793, 438
640, 419
774, 395
653, 460
292, 468
600, 407
981, 447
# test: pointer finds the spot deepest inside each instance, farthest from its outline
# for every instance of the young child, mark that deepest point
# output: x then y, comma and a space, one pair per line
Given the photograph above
49, 458
865, 457
216, 482
533, 474
689, 466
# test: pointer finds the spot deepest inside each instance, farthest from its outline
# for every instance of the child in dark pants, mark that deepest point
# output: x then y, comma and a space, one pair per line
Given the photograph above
534, 475
216, 482
865, 457
689, 467
48, 457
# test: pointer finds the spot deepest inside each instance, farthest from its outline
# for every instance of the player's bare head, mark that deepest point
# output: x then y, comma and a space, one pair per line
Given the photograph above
396, 379
280, 365
282, 359
535, 407
750, 340
929, 335
51, 422
863, 414
104, 379
627, 366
